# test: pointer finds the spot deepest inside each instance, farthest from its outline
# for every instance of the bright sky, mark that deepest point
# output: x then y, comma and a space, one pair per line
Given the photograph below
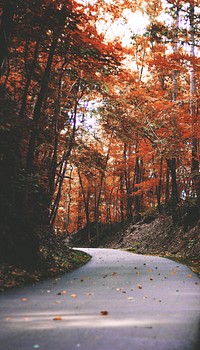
124, 27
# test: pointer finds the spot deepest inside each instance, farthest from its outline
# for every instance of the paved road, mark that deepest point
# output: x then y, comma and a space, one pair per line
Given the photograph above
117, 301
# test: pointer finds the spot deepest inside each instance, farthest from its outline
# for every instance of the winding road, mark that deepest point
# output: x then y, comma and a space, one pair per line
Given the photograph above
117, 301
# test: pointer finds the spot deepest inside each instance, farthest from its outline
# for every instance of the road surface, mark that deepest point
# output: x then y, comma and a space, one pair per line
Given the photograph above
117, 301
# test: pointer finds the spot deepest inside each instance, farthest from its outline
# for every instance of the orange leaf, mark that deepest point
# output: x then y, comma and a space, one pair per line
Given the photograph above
57, 318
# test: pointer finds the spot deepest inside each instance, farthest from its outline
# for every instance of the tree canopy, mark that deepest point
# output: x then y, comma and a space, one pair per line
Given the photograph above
95, 129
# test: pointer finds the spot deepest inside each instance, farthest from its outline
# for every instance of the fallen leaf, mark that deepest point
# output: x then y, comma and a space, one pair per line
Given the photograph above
57, 318
24, 299
139, 286
114, 273
189, 275
131, 298
104, 313
73, 296
63, 292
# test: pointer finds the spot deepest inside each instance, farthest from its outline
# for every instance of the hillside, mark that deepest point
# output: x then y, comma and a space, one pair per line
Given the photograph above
155, 233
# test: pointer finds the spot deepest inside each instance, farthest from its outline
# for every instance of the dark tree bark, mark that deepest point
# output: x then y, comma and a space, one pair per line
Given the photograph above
6, 20
38, 108
174, 187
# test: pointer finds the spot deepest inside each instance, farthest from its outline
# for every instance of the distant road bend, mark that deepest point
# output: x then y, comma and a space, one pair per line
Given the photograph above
117, 301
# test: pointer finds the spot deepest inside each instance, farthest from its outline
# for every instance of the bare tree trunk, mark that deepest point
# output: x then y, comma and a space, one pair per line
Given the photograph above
98, 201
129, 187
193, 108
172, 162
86, 204
122, 218
159, 187
174, 190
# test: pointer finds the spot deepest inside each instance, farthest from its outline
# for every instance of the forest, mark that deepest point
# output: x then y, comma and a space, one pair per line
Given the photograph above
99, 121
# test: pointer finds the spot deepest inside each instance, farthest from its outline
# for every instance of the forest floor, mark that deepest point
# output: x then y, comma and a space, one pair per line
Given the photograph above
59, 260
159, 236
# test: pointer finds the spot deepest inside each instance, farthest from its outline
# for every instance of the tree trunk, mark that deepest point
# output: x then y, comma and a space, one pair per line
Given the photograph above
6, 19
174, 188
38, 109
129, 188
193, 110
159, 187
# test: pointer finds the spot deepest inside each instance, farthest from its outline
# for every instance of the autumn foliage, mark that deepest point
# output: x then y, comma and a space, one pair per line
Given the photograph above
93, 130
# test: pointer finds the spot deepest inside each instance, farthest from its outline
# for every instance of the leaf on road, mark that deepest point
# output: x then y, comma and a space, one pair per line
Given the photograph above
131, 299
114, 274
57, 318
104, 313
63, 292
139, 286
189, 275
73, 296
24, 299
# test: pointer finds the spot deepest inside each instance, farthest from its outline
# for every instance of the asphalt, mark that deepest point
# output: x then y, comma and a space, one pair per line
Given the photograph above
117, 301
